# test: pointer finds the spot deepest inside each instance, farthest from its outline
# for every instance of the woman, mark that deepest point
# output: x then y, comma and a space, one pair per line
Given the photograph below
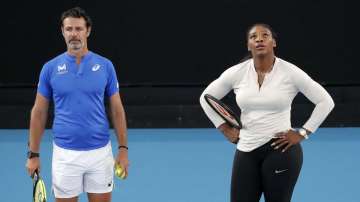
268, 158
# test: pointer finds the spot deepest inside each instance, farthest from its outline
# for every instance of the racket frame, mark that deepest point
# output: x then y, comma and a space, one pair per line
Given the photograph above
36, 180
228, 110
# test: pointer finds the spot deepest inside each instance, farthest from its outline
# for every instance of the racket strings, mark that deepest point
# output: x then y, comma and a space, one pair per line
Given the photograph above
39, 192
224, 111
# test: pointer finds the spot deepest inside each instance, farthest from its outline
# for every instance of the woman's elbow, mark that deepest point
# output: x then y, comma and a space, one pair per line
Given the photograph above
201, 98
330, 104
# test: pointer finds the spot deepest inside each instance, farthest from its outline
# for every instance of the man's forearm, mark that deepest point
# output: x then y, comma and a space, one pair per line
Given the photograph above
37, 127
119, 122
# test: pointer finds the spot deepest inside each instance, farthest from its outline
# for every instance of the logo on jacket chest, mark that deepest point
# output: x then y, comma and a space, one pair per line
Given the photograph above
62, 69
95, 67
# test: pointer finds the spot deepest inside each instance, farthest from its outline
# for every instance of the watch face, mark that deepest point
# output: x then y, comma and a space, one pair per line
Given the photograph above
303, 133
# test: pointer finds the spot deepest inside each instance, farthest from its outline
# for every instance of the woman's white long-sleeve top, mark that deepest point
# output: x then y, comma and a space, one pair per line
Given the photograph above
265, 110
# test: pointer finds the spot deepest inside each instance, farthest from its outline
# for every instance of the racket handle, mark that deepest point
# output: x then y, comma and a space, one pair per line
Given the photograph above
35, 173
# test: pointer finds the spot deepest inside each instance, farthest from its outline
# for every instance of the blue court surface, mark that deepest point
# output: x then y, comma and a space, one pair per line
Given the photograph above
194, 165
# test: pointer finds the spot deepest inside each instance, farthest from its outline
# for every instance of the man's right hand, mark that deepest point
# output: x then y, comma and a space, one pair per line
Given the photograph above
232, 134
32, 165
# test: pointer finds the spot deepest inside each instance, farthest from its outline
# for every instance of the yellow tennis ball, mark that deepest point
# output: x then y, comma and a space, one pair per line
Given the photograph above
119, 172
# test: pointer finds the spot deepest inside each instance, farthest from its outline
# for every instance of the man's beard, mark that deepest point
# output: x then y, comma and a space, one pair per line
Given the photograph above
75, 45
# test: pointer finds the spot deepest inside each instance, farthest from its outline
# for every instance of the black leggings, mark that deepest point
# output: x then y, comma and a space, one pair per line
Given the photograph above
265, 170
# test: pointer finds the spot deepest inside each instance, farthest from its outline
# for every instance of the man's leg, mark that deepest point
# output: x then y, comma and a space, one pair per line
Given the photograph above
67, 175
74, 199
99, 177
103, 197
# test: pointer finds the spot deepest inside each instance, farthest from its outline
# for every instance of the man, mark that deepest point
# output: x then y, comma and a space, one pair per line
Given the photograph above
78, 81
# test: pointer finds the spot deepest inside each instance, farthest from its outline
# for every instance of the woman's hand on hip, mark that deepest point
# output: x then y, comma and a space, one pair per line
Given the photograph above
232, 134
286, 140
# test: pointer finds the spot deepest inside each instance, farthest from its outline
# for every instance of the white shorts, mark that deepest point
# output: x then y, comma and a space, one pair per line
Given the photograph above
74, 172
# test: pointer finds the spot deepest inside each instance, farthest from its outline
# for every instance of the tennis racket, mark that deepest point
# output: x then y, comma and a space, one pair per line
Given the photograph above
224, 111
39, 190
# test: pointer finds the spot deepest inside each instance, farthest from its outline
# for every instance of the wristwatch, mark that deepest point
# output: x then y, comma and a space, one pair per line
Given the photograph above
31, 154
303, 133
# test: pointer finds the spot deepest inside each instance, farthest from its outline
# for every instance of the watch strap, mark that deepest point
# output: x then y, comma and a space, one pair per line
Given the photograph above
31, 154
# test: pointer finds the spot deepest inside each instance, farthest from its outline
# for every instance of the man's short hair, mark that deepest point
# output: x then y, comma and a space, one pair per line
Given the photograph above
76, 12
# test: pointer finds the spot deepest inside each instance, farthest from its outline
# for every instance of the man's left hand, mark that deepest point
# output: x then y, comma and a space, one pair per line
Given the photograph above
122, 160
